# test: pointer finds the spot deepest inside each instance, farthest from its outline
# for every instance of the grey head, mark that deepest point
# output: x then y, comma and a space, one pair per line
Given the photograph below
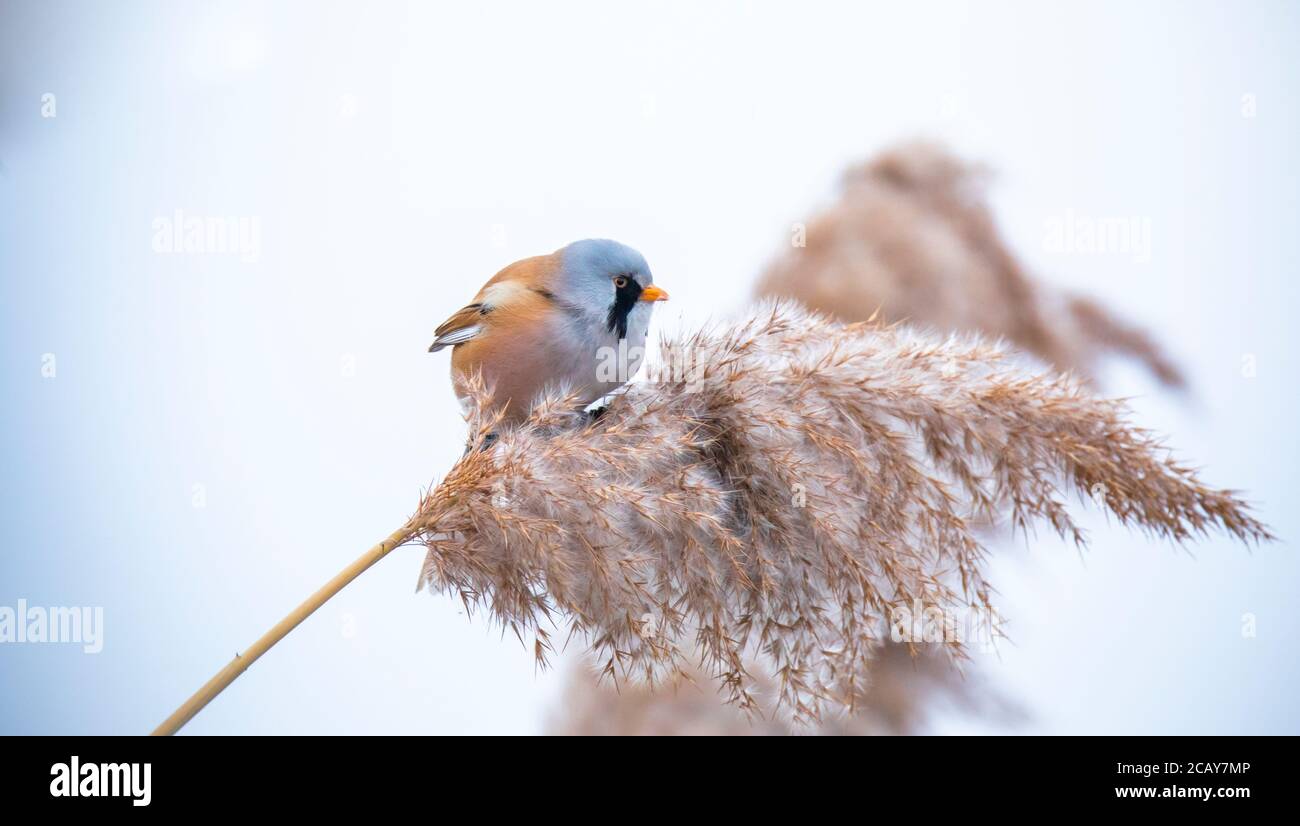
610, 285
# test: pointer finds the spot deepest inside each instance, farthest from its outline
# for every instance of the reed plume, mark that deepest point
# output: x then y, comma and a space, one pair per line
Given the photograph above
771, 495
767, 501
913, 238
897, 697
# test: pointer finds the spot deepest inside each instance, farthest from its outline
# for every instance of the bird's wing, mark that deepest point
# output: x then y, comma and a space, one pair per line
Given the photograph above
464, 324
512, 289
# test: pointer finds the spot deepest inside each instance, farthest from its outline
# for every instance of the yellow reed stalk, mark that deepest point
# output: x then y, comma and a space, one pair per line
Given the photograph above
241, 662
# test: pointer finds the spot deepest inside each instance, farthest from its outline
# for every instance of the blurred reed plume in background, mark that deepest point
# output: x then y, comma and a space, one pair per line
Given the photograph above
896, 698
912, 237
767, 509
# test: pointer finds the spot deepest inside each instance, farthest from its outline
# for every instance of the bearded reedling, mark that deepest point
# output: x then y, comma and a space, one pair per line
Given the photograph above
545, 322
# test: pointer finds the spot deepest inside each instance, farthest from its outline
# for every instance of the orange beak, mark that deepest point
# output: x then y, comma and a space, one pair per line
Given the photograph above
653, 293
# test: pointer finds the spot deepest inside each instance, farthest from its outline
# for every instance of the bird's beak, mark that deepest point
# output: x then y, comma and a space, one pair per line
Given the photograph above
653, 293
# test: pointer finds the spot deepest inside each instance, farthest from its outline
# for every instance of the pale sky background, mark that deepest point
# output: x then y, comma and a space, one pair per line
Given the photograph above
395, 157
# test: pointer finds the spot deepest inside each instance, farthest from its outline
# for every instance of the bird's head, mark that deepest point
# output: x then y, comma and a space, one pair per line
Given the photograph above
611, 284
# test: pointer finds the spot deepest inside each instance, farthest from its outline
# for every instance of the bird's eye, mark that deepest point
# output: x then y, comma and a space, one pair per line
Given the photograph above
620, 282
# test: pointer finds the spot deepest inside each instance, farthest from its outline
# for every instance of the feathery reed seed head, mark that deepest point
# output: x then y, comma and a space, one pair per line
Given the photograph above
773, 509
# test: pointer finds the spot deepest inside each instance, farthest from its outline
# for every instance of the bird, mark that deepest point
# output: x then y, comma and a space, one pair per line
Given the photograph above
574, 320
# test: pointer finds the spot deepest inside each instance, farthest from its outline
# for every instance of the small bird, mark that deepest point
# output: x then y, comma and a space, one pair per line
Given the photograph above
552, 321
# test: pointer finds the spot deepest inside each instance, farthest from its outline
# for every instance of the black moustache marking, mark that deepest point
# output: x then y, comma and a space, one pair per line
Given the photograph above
625, 299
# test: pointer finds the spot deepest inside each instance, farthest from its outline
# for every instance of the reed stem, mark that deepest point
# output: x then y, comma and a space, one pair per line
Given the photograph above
242, 661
